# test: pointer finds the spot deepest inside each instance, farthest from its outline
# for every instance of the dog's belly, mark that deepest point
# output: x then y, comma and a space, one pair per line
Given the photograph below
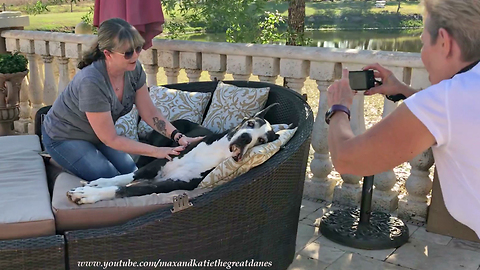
200, 159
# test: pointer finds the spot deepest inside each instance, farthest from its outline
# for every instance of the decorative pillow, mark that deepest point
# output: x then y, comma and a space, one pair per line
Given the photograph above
176, 104
127, 125
229, 169
230, 104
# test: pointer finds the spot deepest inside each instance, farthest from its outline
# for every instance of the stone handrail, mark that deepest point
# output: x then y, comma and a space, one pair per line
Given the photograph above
53, 57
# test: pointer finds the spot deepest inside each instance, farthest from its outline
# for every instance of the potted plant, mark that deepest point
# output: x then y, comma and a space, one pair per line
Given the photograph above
13, 68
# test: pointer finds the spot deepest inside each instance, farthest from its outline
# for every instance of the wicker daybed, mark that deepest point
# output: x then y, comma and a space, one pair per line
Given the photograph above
253, 217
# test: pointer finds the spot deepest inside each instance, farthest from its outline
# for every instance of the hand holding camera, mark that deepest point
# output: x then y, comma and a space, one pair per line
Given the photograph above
390, 86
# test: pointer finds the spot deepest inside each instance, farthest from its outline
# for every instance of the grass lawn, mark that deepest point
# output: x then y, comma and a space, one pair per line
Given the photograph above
55, 21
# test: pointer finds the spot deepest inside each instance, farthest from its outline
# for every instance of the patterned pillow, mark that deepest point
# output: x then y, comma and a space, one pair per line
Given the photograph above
176, 104
230, 104
229, 169
127, 125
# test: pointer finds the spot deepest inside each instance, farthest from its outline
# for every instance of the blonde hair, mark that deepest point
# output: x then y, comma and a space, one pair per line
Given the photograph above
113, 34
461, 19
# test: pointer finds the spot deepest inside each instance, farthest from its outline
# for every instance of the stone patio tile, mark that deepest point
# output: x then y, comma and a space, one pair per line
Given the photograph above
352, 261
322, 253
381, 254
464, 244
308, 207
422, 255
411, 229
422, 234
302, 262
305, 235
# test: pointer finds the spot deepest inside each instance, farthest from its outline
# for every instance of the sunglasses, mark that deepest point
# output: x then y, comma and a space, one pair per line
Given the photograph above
129, 54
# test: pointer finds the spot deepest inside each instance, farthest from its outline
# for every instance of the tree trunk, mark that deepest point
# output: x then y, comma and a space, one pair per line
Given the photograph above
71, 6
398, 8
296, 21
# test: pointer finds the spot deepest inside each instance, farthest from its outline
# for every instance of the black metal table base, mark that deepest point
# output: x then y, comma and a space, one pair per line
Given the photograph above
381, 232
362, 228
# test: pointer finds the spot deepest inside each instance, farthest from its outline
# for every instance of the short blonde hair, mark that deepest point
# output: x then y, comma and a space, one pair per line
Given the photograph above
461, 19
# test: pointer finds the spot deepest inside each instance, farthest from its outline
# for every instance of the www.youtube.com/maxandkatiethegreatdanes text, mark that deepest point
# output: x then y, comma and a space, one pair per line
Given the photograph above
159, 264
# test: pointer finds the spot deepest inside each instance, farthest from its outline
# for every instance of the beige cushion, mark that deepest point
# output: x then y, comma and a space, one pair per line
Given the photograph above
176, 104
230, 104
24, 198
127, 125
229, 168
70, 216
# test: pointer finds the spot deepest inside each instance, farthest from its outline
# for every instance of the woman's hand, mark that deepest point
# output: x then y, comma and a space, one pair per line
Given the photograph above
390, 84
167, 152
185, 141
340, 92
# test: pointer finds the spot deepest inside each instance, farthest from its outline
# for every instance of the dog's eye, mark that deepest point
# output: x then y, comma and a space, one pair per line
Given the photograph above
261, 140
251, 124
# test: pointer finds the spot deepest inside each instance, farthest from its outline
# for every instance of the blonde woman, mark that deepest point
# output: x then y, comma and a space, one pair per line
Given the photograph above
445, 116
78, 131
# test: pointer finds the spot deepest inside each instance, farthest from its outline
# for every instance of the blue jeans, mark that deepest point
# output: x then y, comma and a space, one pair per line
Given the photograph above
87, 160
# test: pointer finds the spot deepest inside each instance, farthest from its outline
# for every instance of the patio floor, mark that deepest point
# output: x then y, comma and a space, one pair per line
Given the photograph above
424, 250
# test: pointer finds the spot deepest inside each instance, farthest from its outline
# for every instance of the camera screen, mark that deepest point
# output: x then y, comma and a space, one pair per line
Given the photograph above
358, 80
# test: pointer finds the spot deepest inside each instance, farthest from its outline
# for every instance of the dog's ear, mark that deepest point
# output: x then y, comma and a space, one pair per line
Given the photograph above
261, 114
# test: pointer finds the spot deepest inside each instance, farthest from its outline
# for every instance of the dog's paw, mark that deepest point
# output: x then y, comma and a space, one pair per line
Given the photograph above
84, 195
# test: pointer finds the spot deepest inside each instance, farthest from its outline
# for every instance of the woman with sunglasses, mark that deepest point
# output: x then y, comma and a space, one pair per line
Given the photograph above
79, 132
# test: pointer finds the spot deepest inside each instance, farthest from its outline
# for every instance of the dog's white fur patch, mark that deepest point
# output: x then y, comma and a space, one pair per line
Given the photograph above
119, 180
200, 159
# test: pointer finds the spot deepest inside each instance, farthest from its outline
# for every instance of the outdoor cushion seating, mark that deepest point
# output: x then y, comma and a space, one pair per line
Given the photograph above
253, 216
24, 198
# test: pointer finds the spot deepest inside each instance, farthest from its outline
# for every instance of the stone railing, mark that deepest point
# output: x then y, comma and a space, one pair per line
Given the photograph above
53, 56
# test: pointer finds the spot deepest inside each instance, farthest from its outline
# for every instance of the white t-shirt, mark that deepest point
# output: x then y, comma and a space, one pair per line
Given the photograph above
451, 112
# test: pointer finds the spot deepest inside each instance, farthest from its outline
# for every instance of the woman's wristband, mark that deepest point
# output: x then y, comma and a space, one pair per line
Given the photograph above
172, 135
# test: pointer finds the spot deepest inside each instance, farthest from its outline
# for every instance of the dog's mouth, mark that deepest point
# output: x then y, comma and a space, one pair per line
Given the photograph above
237, 152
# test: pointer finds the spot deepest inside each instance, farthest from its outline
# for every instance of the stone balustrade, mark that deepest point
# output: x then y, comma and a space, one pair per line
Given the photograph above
53, 57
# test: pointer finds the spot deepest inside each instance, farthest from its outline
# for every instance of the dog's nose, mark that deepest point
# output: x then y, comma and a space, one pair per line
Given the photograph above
245, 138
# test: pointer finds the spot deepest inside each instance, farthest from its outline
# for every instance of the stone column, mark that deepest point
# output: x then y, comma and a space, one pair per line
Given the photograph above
49, 86
295, 72
240, 66
169, 60
149, 60
266, 68
349, 192
215, 64
21, 125
192, 63
320, 186
64, 79
385, 199
415, 204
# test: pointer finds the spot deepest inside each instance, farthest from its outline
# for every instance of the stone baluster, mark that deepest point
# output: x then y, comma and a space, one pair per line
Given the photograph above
64, 79
240, 66
74, 52
266, 68
215, 64
49, 85
149, 60
21, 125
385, 199
349, 192
35, 82
58, 50
295, 73
320, 186
415, 204
169, 60
192, 63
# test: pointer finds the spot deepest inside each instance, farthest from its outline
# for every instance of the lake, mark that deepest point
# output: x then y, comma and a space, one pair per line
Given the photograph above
385, 40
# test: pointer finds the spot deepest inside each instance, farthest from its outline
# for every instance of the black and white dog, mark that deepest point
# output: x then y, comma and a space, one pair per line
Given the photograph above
185, 171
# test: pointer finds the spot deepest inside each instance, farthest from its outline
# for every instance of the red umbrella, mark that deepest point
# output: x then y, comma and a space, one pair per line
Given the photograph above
145, 15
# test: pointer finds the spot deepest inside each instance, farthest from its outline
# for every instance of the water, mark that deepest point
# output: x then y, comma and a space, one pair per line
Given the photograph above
385, 40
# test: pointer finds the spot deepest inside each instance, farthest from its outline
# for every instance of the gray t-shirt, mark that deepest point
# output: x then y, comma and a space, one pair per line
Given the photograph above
90, 91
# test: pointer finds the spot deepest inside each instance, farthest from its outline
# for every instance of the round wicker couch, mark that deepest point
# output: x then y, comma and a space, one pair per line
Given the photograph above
253, 217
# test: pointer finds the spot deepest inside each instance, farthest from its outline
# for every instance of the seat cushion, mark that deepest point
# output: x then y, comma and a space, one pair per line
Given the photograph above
24, 196
70, 216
